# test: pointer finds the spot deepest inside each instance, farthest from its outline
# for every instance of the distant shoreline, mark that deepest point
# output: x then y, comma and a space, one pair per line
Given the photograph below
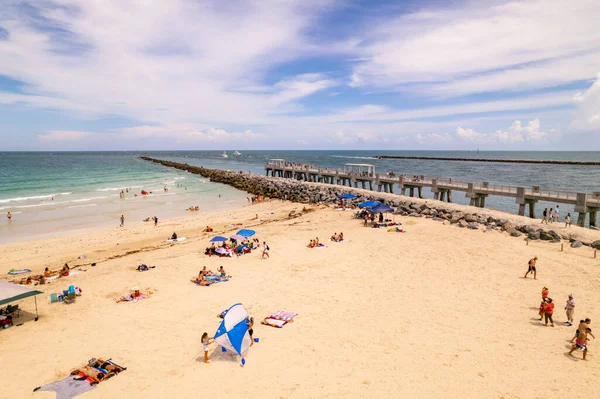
533, 161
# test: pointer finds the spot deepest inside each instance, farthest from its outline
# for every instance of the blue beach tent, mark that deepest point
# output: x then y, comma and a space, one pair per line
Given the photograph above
368, 204
246, 233
381, 208
347, 196
232, 333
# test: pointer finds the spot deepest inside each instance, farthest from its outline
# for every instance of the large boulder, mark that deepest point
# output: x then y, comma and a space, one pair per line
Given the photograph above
533, 235
471, 218
546, 236
596, 244
506, 226
501, 222
472, 226
462, 223
456, 216
576, 244
514, 232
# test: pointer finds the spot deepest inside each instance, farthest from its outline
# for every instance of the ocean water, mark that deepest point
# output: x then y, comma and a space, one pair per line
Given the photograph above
55, 192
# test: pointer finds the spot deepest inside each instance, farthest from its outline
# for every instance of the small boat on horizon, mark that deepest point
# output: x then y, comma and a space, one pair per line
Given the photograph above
237, 153
224, 155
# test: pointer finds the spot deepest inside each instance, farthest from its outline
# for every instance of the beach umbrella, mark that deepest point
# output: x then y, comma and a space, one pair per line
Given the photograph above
246, 233
232, 333
368, 204
218, 239
237, 237
347, 196
381, 208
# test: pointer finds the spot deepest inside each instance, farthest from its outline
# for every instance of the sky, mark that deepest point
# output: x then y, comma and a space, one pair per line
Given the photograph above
305, 74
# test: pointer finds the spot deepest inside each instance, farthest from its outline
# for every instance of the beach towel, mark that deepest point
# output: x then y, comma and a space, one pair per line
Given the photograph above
214, 279
396, 230
283, 315
177, 239
67, 388
20, 271
274, 322
129, 298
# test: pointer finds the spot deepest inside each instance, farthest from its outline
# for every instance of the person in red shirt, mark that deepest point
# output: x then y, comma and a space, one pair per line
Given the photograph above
548, 310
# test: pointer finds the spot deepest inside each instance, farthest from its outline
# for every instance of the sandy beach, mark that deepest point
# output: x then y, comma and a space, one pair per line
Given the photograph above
437, 311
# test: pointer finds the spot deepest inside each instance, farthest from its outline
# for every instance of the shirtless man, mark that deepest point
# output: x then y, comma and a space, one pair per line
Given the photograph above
89, 372
531, 268
581, 342
583, 324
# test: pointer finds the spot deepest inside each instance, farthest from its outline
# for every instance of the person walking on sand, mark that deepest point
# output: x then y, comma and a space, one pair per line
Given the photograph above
568, 220
122, 220
531, 268
550, 216
581, 342
583, 324
556, 214
9, 216
155, 220
545, 215
265, 250
548, 311
205, 342
570, 308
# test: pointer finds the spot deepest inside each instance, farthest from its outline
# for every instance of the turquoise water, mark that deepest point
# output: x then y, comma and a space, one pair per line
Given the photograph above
54, 192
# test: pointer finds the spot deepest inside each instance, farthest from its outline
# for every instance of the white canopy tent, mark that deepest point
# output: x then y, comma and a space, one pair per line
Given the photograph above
10, 292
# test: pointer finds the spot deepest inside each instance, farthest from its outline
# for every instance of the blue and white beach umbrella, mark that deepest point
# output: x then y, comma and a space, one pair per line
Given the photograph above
246, 233
232, 333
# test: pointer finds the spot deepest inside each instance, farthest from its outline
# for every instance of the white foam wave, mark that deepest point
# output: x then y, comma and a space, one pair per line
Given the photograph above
81, 206
116, 188
36, 197
87, 199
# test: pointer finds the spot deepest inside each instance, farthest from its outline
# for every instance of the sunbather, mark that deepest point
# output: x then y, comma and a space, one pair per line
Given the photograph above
334, 237
208, 229
222, 272
105, 365
311, 244
91, 373
134, 296
49, 273
201, 280
64, 272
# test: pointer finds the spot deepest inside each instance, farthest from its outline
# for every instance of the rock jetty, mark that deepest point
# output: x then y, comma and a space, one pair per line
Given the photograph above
495, 160
317, 193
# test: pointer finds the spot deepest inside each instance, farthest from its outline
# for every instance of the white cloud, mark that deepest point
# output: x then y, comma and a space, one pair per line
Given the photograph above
63, 135
173, 62
587, 114
516, 133
478, 47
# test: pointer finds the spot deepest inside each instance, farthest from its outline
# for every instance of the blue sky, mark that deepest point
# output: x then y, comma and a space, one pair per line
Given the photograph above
333, 74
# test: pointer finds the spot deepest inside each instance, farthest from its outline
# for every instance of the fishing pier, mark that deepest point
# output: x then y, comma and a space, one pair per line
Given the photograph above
364, 176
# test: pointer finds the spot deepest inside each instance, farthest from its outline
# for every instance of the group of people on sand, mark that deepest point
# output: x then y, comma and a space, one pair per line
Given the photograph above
203, 274
153, 218
97, 370
337, 237
193, 208
552, 215
41, 278
546, 313
315, 243
234, 247
255, 198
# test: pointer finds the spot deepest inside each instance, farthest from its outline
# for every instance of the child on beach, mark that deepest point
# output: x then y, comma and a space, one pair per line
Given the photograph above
205, 342
568, 220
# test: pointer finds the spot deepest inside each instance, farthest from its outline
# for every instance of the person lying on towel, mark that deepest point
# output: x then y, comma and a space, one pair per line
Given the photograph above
105, 365
94, 376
